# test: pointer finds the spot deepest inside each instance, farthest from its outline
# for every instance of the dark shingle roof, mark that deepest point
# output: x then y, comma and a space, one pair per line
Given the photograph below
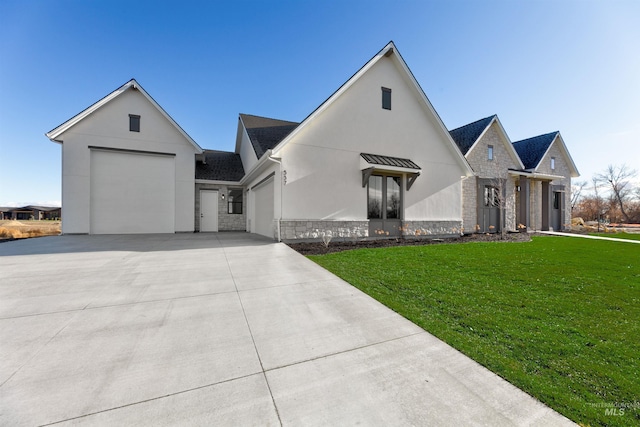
220, 166
266, 133
376, 159
531, 150
465, 136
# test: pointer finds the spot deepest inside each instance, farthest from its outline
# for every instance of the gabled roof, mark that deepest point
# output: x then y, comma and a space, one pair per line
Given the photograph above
532, 150
132, 84
220, 166
391, 51
466, 136
266, 133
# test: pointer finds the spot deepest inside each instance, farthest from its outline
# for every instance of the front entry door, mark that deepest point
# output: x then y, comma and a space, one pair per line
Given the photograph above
208, 210
489, 203
384, 205
556, 211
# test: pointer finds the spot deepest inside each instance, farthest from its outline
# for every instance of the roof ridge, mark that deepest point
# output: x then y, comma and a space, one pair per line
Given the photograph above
269, 118
537, 136
473, 123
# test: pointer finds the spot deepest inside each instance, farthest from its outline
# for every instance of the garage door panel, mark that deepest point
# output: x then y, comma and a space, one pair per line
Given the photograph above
132, 193
264, 209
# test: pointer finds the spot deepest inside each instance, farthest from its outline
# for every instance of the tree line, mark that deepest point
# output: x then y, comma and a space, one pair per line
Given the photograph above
611, 196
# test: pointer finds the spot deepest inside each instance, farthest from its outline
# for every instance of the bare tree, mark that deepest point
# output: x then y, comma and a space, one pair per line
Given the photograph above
597, 199
576, 192
617, 179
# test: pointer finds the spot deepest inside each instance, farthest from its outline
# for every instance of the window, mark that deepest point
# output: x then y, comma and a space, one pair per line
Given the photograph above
490, 152
553, 163
134, 123
235, 201
384, 197
491, 196
386, 98
556, 200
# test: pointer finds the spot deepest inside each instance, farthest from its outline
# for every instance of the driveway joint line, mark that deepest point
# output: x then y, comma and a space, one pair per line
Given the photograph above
325, 356
154, 398
117, 305
244, 313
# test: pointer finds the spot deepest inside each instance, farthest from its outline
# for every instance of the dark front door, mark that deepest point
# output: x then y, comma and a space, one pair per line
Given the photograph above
556, 211
384, 205
489, 201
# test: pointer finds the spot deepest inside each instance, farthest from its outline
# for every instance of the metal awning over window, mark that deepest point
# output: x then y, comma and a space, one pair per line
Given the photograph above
370, 163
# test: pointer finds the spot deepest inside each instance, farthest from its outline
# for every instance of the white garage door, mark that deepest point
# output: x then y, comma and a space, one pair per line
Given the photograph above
263, 198
132, 193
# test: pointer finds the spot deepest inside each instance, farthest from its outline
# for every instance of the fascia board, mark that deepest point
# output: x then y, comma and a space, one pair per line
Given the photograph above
217, 182
333, 97
198, 149
257, 168
511, 149
574, 169
530, 174
452, 145
480, 137
131, 84
56, 132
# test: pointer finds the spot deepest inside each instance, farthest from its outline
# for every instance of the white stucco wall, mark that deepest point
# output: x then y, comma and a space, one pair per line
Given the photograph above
109, 127
322, 162
247, 153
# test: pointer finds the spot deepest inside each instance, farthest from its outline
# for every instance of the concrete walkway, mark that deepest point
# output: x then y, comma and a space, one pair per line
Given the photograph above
221, 329
586, 236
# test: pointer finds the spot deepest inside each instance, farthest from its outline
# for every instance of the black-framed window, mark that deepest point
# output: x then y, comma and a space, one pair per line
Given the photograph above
386, 98
556, 199
384, 197
234, 205
134, 123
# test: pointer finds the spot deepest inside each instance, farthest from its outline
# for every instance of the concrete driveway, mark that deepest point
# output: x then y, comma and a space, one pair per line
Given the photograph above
221, 329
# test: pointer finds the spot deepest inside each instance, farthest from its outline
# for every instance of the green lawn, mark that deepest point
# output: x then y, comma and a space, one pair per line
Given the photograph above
630, 236
558, 317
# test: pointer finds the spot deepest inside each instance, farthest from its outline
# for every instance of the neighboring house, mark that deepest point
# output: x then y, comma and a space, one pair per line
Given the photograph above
491, 192
31, 213
521, 186
545, 183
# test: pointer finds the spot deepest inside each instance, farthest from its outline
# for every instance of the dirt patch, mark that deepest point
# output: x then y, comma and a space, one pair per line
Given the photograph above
319, 248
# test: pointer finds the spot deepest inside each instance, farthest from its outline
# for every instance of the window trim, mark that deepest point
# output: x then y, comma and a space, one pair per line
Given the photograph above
553, 163
133, 125
386, 96
490, 152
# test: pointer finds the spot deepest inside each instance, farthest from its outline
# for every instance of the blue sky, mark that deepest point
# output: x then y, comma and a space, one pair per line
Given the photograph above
542, 66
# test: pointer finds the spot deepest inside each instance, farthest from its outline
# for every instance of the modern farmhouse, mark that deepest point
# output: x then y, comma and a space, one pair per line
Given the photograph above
373, 159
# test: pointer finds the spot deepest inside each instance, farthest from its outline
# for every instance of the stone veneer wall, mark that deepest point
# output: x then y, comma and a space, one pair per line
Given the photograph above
495, 169
301, 229
342, 230
226, 221
562, 169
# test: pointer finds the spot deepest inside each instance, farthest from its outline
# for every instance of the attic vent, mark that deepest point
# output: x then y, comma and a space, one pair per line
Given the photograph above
134, 123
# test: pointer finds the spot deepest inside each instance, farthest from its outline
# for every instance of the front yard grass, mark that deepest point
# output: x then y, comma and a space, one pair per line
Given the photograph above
630, 236
558, 317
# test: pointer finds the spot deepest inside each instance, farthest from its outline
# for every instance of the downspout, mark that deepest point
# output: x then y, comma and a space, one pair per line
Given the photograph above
279, 162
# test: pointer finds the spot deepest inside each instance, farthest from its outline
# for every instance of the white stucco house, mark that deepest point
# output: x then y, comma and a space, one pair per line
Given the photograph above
372, 160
